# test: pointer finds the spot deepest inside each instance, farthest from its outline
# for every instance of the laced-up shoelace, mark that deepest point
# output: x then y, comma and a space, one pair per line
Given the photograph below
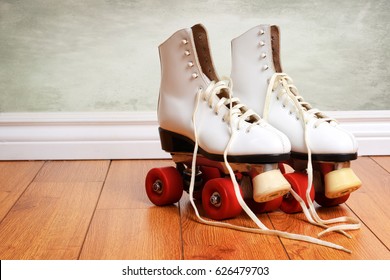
235, 117
303, 110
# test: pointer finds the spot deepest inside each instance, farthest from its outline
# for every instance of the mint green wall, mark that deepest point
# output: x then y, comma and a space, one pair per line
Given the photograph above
101, 55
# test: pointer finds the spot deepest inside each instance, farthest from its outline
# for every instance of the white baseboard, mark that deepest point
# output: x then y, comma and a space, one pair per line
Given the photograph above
134, 135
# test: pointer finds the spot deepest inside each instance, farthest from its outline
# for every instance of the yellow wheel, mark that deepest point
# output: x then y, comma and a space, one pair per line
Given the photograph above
341, 182
269, 185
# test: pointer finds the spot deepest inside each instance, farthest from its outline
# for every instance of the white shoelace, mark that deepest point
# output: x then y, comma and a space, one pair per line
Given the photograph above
208, 95
304, 111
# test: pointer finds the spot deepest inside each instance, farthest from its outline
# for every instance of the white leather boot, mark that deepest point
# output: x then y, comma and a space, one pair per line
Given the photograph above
196, 106
259, 81
196, 111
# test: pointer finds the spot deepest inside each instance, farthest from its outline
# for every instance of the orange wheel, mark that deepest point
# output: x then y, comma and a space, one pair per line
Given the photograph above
164, 185
298, 183
219, 199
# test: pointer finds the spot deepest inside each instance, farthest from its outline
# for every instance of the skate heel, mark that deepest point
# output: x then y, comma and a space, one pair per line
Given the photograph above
341, 182
269, 185
174, 143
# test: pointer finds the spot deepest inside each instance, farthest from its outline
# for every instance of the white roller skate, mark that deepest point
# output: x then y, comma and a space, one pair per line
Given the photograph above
259, 80
212, 136
196, 109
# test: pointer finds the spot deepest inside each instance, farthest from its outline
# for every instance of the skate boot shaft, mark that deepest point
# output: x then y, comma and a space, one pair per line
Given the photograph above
191, 89
259, 80
255, 58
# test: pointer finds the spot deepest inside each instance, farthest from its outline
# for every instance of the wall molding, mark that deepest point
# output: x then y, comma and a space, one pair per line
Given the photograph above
134, 135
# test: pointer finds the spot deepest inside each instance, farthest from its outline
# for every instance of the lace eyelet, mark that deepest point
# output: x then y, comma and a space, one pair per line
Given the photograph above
184, 41
194, 75
190, 64
261, 32
187, 52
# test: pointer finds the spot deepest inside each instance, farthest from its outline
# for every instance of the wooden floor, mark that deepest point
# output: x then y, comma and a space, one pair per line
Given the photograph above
99, 210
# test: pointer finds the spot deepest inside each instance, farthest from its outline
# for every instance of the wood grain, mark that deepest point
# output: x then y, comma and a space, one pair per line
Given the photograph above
15, 176
364, 244
383, 161
126, 224
152, 233
73, 171
201, 241
371, 202
49, 221
99, 210
125, 184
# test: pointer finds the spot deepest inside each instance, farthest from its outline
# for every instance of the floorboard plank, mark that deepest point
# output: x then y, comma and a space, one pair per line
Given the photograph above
152, 233
202, 241
15, 176
125, 184
364, 244
371, 201
73, 171
54, 217
126, 224
49, 221
383, 161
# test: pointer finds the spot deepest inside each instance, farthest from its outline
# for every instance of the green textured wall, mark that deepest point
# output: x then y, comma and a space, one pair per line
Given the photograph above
101, 55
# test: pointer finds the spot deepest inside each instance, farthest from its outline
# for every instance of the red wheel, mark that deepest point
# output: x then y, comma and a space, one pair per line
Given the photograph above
298, 183
264, 207
322, 200
164, 185
282, 168
219, 199
209, 173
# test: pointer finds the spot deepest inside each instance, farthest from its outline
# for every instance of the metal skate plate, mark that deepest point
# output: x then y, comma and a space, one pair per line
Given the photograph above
186, 158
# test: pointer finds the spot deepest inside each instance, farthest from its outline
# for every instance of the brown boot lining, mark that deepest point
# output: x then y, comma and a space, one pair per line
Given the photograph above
203, 51
275, 42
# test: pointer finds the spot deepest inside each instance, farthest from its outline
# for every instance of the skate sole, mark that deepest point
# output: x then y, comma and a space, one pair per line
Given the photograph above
325, 157
175, 143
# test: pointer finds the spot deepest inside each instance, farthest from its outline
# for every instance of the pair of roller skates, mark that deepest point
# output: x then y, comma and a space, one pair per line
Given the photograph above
231, 156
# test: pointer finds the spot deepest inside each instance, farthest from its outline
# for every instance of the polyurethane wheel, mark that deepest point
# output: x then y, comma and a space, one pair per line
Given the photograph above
209, 173
340, 182
219, 199
164, 185
282, 168
269, 185
324, 201
298, 183
327, 170
264, 207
